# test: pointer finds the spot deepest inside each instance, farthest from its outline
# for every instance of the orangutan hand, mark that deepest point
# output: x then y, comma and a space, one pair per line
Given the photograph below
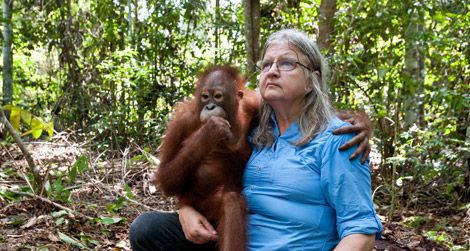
361, 124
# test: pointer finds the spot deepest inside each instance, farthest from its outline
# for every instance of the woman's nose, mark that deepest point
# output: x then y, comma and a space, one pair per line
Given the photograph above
273, 70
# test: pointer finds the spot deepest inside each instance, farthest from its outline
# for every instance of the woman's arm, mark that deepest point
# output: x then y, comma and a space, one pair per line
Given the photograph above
346, 185
196, 227
359, 242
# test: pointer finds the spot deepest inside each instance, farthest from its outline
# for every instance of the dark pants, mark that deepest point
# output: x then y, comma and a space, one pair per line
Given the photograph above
156, 231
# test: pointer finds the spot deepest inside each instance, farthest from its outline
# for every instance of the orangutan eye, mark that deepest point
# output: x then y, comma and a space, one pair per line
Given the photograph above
218, 96
205, 97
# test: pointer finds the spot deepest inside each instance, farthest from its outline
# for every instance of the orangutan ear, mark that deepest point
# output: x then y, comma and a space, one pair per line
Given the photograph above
240, 94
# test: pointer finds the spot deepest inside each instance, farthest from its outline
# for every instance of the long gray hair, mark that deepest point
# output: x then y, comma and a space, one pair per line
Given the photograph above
317, 110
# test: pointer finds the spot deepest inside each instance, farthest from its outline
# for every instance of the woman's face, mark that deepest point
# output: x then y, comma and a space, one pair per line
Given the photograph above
284, 87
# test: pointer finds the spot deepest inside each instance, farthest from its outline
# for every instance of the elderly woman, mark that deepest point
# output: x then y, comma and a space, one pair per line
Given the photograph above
302, 192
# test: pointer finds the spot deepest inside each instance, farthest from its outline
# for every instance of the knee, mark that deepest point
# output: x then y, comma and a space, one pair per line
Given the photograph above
139, 229
145, 229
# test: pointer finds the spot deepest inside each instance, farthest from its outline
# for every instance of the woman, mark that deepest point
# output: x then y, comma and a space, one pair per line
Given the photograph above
302, 192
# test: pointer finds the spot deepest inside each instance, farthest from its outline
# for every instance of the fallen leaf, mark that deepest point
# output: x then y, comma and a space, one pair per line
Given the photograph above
52, 237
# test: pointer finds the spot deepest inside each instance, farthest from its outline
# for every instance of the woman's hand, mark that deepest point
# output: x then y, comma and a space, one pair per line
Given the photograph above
363, 126
196, 227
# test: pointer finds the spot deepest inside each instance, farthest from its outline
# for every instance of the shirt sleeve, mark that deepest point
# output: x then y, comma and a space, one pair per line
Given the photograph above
346, 185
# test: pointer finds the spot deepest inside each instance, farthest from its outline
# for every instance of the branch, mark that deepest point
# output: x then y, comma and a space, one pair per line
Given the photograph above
54, 204
37, 176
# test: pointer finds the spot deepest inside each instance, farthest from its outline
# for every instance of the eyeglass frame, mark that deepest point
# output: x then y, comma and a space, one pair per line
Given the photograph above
260, 68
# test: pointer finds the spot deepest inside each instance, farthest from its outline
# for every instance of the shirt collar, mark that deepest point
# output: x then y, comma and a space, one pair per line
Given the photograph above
292, 133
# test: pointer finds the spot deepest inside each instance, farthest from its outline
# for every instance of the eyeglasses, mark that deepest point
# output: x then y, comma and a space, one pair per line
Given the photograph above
283, 65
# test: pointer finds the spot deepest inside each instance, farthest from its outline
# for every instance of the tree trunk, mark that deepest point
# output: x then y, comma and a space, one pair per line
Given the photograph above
325, 27
136, 26
413, 73
7, 52
217, 36
130, 20
252, 23
467, 133
467, 139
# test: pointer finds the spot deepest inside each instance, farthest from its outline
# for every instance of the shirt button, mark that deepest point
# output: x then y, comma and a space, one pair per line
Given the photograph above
252, 187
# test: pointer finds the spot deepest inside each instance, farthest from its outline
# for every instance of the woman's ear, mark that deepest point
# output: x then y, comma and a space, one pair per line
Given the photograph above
308, 89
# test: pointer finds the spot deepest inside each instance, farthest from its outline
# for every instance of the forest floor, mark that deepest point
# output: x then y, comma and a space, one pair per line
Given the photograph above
109, 194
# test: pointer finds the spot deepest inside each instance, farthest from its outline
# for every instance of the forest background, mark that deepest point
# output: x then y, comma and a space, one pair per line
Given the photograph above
88, 86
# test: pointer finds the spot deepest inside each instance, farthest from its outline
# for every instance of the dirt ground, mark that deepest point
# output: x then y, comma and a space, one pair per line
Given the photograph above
101, 206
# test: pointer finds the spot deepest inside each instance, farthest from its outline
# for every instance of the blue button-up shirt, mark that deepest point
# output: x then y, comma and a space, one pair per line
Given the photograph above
308, 197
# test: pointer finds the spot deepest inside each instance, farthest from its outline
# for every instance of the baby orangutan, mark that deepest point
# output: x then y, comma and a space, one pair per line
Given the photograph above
205, 149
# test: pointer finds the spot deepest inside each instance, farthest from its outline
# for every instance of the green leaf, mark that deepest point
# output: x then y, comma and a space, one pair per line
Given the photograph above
15, 118
58, 185
72, 241
81, 164
9, 195
50, 128
47, 186
109, 220
8, 107
25, 116
381, 113
59, 213
85, 238
36, 127
36, 133
73, 173
128, 190
16, 222
36, 123
60, 221
118, 204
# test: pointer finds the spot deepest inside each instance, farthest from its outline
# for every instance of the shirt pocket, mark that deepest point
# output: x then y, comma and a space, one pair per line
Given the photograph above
258, 171
301, 180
